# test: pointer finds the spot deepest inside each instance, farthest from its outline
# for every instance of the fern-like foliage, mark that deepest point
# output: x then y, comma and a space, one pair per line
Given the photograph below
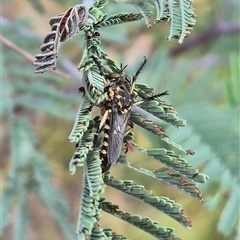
29, 172
24, 92
63, 26
89, 18
221, 121
180, 14
177, 171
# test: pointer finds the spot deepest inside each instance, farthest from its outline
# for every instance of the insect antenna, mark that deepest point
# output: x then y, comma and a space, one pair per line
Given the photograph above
137, 73
122, 68
100, 127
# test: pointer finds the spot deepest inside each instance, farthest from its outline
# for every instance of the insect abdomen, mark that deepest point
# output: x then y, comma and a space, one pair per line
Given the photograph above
114, 132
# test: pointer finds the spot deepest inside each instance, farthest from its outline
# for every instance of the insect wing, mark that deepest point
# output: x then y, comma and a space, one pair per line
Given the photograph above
118, 123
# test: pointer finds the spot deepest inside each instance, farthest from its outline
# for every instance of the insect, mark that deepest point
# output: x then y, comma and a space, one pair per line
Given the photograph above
116, 111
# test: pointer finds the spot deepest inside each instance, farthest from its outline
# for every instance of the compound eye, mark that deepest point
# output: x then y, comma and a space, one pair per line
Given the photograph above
114, 76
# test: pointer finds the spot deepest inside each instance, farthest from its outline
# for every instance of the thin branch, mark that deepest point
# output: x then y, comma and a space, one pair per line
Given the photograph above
218, 29
28, 56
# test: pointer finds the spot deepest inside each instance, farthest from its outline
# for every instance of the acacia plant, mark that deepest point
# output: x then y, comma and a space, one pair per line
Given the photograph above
87, 19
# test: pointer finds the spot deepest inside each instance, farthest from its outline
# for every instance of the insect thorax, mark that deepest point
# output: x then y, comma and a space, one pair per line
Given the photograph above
117, 92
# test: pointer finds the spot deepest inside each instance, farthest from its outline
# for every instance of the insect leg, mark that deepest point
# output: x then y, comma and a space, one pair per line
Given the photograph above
151, 98
130, 124
100, 127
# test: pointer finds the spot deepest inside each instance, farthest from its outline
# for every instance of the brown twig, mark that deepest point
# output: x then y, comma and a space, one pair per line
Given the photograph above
213, 32
28, 56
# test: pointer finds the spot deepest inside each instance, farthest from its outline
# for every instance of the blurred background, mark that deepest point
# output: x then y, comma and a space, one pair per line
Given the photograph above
38, 112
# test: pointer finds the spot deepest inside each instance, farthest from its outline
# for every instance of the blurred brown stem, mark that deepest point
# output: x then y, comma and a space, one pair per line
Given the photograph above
28, 56
213, 32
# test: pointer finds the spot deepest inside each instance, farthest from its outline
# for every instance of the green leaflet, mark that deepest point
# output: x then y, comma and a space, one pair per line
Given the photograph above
144, 223
163, 204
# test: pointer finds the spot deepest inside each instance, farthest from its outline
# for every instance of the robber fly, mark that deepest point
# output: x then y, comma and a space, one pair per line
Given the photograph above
116, 111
